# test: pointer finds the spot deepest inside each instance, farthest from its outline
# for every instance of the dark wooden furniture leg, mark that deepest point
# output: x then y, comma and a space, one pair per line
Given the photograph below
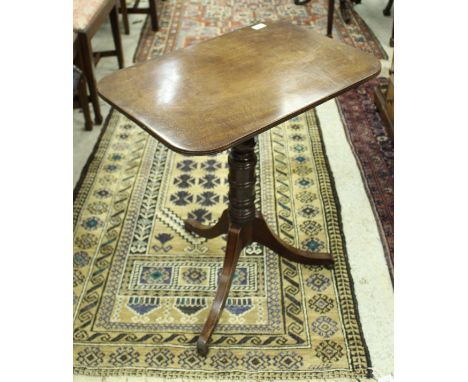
391, 42
88, 69
124, 12
345, 11
85, 32
331, 9
151, 10
153, 15
243, 225
83, 93
114, 19
233, 250
388, 9
82, 84
84, 103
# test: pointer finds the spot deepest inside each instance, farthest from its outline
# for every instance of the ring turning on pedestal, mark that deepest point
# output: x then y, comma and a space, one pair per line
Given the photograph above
243, 225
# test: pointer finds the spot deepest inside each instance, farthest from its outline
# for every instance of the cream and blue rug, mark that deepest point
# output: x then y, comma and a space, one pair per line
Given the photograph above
143, 285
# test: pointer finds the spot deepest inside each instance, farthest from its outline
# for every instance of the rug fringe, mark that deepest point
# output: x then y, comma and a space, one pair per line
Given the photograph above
86, 378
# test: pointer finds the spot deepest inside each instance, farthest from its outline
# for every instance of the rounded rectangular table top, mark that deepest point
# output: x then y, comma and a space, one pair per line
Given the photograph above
211, 96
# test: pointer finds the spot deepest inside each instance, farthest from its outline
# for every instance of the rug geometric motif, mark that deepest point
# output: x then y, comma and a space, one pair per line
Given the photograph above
187, 22
143, 285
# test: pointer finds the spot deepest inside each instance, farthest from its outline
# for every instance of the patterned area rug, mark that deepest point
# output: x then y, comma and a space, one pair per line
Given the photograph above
143, 285
184, 23
373, 148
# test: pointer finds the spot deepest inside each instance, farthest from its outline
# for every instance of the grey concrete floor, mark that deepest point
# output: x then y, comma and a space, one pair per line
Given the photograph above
84, 141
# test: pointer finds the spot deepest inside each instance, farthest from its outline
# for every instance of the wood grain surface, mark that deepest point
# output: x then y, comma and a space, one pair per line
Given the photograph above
211, 96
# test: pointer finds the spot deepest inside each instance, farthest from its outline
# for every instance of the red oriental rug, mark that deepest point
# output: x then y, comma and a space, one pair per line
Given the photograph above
186, 22
373, 149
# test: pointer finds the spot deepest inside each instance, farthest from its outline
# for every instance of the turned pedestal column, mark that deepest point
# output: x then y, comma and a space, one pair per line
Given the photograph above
211, 96
243, 225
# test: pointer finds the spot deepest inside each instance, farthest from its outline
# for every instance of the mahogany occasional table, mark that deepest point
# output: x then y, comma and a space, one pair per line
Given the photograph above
220, 94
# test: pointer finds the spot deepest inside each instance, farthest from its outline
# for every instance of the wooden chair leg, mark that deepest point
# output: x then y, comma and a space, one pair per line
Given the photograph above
388, 9
153, 15
391, 38
124, 12
331, 9
83, 92
233, 249
345, 11
114, 19
84, 103
88, 69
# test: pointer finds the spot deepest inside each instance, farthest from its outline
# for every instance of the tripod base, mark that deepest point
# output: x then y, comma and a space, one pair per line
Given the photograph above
243, 225
238, 237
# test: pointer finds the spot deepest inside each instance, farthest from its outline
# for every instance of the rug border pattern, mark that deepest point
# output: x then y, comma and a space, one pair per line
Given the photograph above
360, 358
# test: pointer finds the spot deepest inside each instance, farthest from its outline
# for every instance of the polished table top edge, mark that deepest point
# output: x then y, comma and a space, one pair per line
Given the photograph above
219, 148
186, 151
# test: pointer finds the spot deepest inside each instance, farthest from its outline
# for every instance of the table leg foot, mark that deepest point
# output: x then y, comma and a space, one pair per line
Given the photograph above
202, 347
235, 243
202, 230
263, 235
